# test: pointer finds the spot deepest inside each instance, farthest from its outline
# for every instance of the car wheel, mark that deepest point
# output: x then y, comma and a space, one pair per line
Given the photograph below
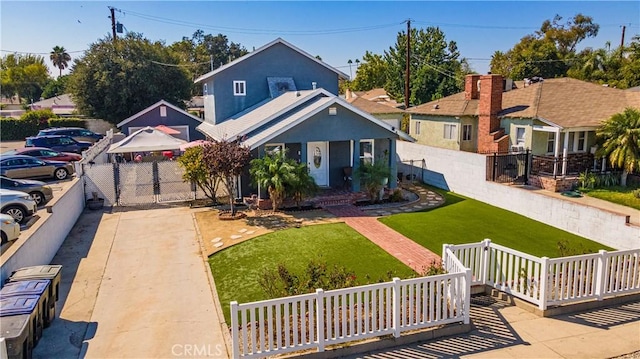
38, 197
16, 212
4, 238
61, 173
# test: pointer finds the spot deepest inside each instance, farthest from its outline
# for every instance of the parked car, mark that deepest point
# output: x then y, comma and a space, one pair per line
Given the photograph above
38, 190
9, 228
58, 143
18, 205
20, 166
44, 153
77, 133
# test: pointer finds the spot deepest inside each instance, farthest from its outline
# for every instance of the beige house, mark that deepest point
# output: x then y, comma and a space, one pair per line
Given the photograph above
553, 118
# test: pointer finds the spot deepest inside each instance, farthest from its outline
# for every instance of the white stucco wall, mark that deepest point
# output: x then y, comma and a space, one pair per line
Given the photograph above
39, 244
464, 173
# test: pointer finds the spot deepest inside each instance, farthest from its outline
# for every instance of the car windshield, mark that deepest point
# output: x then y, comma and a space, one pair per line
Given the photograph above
42, 133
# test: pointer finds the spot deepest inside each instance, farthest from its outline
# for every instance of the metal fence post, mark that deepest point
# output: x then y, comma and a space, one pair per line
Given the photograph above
396, 306
544, 282
484, 264
601, 274
116, 181
526, 167
494, 167
320, 318
235, 344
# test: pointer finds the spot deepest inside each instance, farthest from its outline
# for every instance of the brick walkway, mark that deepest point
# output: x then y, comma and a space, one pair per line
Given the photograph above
394, 243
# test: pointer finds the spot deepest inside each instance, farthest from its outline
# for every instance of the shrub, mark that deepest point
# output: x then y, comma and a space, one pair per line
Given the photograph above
14, 129
396, 195
587, 180
42, 116
636, 193
67, 122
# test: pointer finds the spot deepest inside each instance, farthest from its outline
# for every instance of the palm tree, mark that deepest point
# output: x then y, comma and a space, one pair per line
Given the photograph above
273, 172
60, 58
621, 135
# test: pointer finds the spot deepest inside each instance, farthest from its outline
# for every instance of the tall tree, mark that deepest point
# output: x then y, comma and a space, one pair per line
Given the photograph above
435, 66
116, 79
60, 58
371, 73
621, 141
56, 87
24, 75
548, 52
202, 53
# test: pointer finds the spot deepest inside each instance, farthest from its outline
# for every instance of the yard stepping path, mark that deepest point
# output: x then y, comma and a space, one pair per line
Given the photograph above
404, 249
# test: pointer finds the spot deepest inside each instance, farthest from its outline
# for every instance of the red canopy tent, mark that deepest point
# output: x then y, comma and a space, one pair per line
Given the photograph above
167, 130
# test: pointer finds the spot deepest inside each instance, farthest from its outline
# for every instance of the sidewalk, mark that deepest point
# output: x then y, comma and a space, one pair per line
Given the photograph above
134, 285
505, 331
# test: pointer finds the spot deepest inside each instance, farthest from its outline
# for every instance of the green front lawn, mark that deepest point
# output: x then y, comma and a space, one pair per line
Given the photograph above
464, 220
616, 194
236, 269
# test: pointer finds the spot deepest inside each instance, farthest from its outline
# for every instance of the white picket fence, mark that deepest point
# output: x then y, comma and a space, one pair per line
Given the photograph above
315, 320
544, 281
323, 318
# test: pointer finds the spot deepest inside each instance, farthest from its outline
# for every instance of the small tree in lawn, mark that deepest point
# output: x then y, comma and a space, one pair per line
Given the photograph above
273, 172
302, 184
226, 160
197, 172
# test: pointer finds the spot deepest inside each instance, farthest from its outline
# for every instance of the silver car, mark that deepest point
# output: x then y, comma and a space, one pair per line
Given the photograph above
18, 205
9, 228
39, 191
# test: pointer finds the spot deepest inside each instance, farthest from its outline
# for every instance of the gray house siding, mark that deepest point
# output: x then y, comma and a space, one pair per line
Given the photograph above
173, 118
276, 61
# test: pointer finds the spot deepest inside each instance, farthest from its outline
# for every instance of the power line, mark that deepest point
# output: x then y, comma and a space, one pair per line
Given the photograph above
179, 65
39, 53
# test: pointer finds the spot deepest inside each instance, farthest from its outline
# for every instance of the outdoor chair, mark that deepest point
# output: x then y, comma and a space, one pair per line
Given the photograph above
347, 177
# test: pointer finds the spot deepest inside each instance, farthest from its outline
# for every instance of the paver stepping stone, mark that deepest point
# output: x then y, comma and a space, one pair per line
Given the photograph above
236, 236
217, 239
250, 232
242, 230
218, 245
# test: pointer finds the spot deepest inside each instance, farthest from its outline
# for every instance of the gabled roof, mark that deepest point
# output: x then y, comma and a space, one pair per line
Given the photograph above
56, 101
372, 107
155, 105
563, 102
259, 50
271, 118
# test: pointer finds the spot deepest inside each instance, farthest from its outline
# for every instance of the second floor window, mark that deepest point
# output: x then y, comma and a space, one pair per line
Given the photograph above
417, 131
239, 88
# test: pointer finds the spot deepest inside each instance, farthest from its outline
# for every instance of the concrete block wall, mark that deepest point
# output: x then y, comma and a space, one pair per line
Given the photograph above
39, 244
464, 173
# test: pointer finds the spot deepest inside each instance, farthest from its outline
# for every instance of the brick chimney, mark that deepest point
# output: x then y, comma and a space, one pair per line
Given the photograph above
491, 138
471, 87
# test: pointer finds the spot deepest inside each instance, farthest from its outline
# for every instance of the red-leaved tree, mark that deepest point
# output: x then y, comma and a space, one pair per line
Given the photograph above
226, 160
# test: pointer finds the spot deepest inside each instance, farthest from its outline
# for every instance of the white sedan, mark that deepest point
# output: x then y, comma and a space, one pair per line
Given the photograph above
10, 228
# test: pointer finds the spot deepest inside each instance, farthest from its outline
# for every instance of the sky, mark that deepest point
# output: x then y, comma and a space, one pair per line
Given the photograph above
336, 31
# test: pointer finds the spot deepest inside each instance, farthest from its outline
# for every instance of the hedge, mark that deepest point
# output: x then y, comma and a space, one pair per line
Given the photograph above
14, 129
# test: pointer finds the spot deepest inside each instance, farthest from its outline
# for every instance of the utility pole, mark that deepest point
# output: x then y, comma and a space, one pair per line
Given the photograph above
407, 70
113, 22
622, 40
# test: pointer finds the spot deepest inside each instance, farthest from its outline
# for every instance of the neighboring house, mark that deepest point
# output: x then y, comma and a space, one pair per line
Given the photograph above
378, 95
62, 105
551, 118
195, 106
388, 114
164, 113
279, 97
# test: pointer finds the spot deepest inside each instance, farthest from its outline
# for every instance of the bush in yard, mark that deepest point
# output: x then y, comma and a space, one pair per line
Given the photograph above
197, 172
14, 129
281, 282
302, 185
67, 122
636, 193
372, 176
226, 160
42, 116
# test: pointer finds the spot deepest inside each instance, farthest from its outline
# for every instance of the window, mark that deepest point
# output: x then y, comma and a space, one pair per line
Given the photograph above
551, 141
274, 148
581, 141
205, 90
417, 130
572, 137
520, 134
466, 132
333, 111
366, 151
239, 88
163, 111
451, 132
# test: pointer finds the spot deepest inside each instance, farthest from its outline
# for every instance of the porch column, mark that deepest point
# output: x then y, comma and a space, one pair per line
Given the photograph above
303, 154
556, 152
565, 149
355, 183
393, 165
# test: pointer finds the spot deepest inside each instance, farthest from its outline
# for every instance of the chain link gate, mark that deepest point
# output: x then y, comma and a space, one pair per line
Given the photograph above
136, 183
100, 178
171, 186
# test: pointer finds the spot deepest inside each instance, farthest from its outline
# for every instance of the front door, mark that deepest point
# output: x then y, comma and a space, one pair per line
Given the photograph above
318, 162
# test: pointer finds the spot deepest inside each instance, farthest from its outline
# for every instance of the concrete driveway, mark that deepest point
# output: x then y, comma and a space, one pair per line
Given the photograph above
134, 285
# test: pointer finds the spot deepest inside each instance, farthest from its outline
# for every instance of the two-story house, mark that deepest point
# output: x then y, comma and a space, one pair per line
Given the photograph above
279, 97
